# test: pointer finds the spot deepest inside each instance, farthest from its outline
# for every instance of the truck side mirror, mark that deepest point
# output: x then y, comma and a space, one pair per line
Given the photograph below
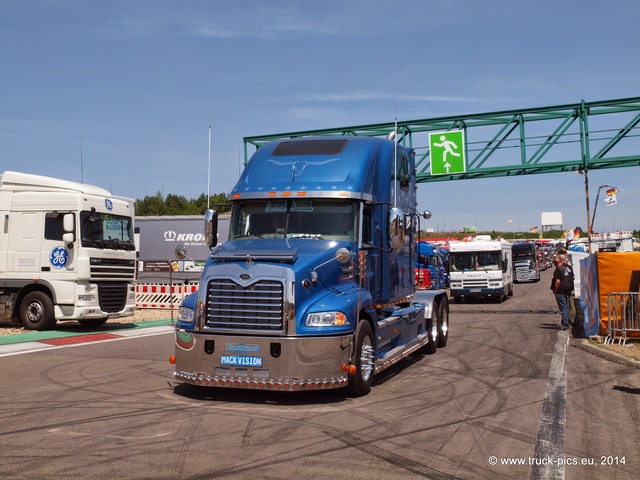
68, 226
211, 228
181, 252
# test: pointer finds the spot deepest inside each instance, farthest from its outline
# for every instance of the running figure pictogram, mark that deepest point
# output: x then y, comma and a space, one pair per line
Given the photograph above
448, 146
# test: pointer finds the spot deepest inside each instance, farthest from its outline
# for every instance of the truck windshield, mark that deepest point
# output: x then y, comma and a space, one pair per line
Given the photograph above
103, 230
295, 218
461, 261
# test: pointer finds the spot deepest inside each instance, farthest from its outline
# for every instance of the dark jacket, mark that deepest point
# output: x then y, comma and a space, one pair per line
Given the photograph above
564, 273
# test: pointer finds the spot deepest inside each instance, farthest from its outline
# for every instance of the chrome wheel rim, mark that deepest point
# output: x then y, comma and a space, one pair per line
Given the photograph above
366, 359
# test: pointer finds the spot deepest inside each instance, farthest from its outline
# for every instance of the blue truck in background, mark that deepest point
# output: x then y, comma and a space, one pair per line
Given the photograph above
315, 287
431, 267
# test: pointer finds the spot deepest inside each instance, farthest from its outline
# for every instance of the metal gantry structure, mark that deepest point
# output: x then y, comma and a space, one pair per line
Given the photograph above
575, 137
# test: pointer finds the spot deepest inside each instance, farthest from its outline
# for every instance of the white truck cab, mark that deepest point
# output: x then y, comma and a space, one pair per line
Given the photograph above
480, 269
67, 252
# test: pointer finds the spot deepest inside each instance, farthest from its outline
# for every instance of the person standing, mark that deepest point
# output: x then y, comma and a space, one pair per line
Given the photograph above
572, 298
562, 287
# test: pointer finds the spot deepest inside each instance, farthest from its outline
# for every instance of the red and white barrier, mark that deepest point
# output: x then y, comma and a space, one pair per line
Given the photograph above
162, 295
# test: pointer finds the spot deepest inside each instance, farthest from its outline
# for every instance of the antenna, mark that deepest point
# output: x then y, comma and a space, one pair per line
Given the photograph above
209, 171
81, 163
395, 163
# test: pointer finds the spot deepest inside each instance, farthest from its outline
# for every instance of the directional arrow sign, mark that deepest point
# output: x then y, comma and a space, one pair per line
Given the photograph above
447, 152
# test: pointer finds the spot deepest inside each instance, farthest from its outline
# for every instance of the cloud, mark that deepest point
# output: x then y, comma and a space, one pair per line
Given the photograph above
373, 96
260, 31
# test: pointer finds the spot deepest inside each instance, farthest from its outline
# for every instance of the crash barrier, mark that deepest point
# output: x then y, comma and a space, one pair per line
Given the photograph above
623, 318
162, 295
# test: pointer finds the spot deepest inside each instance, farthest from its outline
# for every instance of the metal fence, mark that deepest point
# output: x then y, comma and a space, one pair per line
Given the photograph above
623, 321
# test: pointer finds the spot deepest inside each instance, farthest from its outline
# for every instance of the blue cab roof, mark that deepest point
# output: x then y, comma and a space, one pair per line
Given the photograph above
317, 166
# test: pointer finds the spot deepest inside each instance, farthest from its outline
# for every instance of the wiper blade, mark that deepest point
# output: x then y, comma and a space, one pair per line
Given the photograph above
251, 235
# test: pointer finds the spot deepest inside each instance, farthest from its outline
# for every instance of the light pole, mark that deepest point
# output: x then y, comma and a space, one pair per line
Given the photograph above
595, 207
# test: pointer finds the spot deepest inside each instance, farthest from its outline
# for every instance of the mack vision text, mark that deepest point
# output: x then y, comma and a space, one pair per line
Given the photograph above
66, 252
315, 287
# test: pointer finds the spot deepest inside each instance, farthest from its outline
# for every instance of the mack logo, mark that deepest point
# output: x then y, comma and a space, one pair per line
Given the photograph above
298, 166
242, 347
173, 236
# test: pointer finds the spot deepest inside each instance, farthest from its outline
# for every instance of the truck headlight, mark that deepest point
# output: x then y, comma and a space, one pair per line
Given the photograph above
186, 315
325, 319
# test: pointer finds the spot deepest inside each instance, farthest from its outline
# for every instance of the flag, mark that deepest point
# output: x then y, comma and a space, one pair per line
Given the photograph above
576, 232
568, 235
611, 200
511, 220
612, 191
533, 229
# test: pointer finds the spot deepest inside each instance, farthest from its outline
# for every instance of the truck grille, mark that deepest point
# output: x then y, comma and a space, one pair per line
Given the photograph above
259, 306
525, 273
475, 283
112, 269
112, 296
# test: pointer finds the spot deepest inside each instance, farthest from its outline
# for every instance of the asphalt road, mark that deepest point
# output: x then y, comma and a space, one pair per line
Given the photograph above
507, 398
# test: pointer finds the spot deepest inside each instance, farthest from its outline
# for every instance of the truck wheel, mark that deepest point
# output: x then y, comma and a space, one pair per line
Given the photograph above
443, 324
360, 381
36, 312
93, 322
431, 325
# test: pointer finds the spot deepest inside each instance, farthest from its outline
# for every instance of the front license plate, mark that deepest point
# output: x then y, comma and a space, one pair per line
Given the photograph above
241, 361
475, 290
114, 315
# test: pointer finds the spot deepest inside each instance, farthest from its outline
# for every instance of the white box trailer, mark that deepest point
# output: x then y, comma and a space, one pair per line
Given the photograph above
480, 269
67, 252
157, 238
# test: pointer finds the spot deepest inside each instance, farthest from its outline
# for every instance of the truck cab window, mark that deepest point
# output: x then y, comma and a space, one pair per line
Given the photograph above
321, 219
53, 229
403, 174
103, 230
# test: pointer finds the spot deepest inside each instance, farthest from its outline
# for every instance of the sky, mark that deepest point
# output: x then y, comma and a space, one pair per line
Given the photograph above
121, 94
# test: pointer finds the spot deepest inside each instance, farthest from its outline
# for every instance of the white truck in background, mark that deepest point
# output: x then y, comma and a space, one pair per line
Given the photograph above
67, 252
481, 268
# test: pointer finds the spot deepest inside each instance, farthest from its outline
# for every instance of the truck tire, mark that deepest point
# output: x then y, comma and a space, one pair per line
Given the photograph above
363, 358
93, 322
443, 323
431, 326
36, 311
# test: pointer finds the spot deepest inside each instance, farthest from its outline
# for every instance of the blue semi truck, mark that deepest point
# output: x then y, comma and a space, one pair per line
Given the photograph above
315, 287
431, 268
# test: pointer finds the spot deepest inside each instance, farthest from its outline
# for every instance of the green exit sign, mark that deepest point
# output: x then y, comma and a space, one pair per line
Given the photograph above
447, 151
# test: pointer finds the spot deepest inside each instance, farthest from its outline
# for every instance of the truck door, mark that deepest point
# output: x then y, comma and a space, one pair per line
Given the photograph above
24, 243
56, 256
4, 240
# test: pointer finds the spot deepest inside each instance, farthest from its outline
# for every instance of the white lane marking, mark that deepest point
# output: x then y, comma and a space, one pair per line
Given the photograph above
59, 431
549, 451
